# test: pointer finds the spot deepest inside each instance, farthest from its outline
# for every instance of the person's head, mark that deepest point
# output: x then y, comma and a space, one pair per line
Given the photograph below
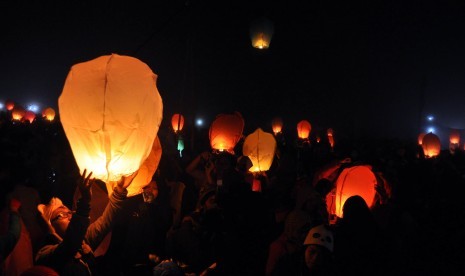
56, 215
319, 245
150, 192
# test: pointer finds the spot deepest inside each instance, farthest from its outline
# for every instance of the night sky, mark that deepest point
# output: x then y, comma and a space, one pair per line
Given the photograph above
376, 68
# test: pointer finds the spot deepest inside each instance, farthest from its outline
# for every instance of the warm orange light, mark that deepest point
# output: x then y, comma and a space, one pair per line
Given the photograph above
330, 133
30, 116
357, 180
303, 129
177, 122
420, 138
48, 114
260, 147
454, 137
9, 104
226, 131
277, 125
261, 32
18, 113
111, 110
431, 145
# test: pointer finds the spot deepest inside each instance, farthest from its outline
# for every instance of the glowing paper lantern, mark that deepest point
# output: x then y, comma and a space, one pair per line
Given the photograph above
146, 170
260, 147
48, 114
331, 137
420, 138
111, 110
30, 116
303, 129
454, 137
9, 104
357, 180
277, 125
431, 145
226, 131
177, 122
18, 113
261, 32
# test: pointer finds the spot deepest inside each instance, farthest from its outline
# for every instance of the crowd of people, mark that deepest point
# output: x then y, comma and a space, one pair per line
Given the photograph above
205, 213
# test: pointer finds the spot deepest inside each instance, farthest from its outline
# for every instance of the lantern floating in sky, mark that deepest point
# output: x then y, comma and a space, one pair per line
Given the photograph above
29, 116
431, 145
260, 147
330, 133
48, 114
303, 129
356, 180
177, 122
9, 105
277, 125
225, 131
420, 138
111, 110
454, 139
18, 113
261, 32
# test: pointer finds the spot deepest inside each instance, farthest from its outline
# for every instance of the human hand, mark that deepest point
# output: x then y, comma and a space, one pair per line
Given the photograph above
15, 204
124, 182
84, 185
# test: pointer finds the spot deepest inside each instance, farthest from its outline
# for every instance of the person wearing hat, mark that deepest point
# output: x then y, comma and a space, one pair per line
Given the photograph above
69, 245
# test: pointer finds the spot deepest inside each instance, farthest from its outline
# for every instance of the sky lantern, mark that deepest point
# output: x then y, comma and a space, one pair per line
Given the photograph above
111, 110
454, 139
29, 115
9, 105
261, 32
48, 114
431, 145
330, 133
277, 125
260, 147
357, 180
420, 138
225, 131
303, 129
18, 112
177, 122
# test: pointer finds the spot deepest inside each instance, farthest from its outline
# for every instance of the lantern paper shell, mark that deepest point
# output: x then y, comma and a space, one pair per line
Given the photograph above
29, 116
277, 125
261, 32
420, 138
260, 147
48, 114
177, 122
225, 131
146, 170
9, 104
357, 180
431, 145
303, 129
110, 109
18, 113
454, 136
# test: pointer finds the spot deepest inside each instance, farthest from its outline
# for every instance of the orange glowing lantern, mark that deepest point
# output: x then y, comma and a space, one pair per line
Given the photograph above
330, 133
18, 113
454, 137
356, 180
177, 122
30, 116
48, 114
260, 147
431, 145
420, 138
303, 129
261, 32
111, 110
277, 125
226, 131
9, 104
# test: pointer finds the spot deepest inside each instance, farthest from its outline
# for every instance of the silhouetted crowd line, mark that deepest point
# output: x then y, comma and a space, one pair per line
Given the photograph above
205, 214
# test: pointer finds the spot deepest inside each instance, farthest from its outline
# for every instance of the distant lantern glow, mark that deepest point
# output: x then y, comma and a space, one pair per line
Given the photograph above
18, 113
199, 122
2, 105
330, 133
177, 122
454, 137
420, 138
431, 145
431, 130
260, 147
225, 131
9, 104
277, 125
111, 110
48, 114
303, 129
261, 32
430, 118
33, 107
29, 116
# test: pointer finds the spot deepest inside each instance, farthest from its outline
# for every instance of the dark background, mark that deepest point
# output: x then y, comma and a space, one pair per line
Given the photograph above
370, 68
